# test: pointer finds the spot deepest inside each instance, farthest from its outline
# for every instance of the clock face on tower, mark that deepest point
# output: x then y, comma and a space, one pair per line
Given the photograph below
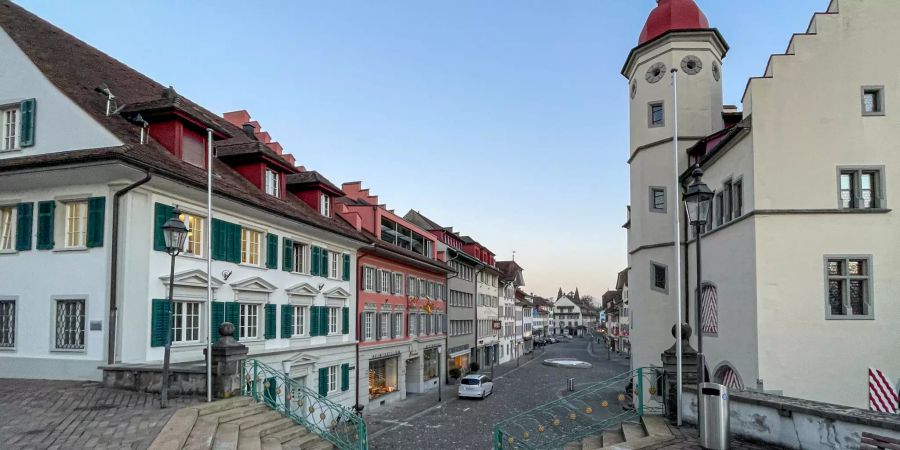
656, 72
691, 65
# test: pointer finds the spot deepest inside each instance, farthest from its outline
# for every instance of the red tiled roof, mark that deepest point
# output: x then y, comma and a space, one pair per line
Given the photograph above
671, 15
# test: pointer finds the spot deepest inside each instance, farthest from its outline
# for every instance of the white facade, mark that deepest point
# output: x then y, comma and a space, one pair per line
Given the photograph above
508, 341
488, 304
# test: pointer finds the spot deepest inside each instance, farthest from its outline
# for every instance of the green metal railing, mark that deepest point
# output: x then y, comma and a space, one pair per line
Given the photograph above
333, 422
597, 407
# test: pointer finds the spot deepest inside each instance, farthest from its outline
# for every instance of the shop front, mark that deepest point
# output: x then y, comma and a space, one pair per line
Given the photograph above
383, 378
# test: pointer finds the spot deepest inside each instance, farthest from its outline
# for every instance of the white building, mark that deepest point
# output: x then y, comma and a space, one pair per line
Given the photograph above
799, 259
571, 315
86, 181
511, 279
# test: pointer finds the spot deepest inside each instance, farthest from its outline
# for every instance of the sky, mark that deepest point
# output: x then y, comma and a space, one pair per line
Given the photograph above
505, 119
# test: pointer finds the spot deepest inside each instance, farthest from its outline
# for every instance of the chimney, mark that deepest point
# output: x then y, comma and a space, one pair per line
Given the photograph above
248, 130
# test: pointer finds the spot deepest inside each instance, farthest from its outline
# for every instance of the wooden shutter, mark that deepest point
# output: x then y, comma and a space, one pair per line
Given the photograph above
314, 320
271, 324
233, 315
324, 266
24, 221
315, 261
160, 215
218, 317
287, 263
287, 321
160, 322
96, 221
345, 321
378, 286
346, 267
345, 377
271, 251
234, 243
323, 320
26, 126
323, 381
378, 326
46, 213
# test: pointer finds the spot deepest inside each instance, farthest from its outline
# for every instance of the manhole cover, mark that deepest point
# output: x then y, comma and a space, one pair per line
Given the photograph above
568, 363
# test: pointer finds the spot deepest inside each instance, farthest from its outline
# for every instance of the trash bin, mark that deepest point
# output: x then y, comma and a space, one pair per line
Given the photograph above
713, 424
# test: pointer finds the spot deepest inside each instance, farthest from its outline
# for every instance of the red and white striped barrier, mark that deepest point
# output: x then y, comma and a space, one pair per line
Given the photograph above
882, 395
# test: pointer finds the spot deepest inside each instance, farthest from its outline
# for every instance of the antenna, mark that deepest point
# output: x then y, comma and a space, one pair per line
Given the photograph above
110, 99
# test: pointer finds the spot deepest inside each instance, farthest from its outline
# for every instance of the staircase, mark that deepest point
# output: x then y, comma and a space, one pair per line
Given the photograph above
651, 430
238, 423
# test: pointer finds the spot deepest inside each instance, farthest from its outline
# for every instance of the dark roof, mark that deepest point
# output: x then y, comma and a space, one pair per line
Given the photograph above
388, 250
76, 69
311, 177
419, 219
243, 150
508, 270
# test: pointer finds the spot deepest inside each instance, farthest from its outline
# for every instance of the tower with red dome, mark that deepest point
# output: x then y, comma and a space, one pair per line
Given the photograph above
676, 36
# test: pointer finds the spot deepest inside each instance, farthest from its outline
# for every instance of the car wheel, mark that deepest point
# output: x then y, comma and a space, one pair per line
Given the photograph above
482, 395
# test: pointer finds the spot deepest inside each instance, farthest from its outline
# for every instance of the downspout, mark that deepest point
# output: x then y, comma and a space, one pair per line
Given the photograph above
114, 267
447, 315
359, 319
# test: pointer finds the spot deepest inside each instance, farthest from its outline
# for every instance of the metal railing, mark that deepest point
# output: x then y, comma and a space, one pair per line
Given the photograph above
589, 411
336, 424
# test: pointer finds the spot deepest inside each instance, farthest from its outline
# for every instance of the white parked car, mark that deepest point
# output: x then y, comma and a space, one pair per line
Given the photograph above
475, 386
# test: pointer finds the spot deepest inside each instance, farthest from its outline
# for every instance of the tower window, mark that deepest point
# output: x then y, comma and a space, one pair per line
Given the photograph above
657, 115
873, 100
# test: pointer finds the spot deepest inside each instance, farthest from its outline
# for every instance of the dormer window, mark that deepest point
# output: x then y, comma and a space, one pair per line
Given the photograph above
10, 130
17, 125
273, 183
325, 205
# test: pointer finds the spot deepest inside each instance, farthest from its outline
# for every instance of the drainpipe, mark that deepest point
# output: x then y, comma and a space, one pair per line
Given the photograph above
114, 266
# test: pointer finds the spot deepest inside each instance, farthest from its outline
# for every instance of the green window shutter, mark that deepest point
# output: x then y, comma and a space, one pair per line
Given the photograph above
323, 318
218, 317
314, 321
160, 322
346, 267
270, 330
288, 255
287, 321
24, 221
26, 126
271, 251
323, 267
345, 377
216, 240
160, 215
269, 394
96, 221
46, 212
316, 260
345, 323
234, 243
323, 381
233, 315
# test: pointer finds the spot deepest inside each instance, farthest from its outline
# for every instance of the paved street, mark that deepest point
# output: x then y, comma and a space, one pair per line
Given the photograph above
42, 414
422, 423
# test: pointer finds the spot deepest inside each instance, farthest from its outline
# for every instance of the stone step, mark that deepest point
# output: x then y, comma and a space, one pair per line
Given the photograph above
293, 432
271, 444
613, 437
572, 446
226, 437
256, 419
321, 445
222, 405
592, 442
201, 436
249, 440
272, 426
633, 431
305, 442
229, 415
176, 431
656, 425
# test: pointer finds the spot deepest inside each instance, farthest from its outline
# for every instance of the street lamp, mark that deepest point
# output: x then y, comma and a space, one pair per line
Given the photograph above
440, 385
174, 234
697, 201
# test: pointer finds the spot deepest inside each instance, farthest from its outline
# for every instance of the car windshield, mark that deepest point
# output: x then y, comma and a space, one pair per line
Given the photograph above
470, 381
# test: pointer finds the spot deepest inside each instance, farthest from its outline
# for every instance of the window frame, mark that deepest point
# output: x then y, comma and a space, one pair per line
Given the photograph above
370, 276
665, 268
332, 380
369, 325
299, 320
245, 249
324, 204
67, 244
15, 127
880, 198
398, 283
665, 206
878, 91
737, 193
334, 264
334, 320
14, 323
662, 105
193, 231
386, 318
200, 315
272, 183
241, 328
302, 256
55, 315
11, 230
868, 277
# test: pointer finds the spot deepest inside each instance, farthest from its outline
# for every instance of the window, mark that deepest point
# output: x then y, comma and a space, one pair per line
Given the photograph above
861, 187
385, 326
333, 316
193, 245
273, 183
334, 260
325, 205
849, 291
411, 324
300, 252
657, 199
385, 281
249, 318
873, 100
298, 328
398, 324
7, 323
186, 322
726, 202
720, 209
369, 275
368, 318
657, 115
411, 286
70, 324
422, 291
710, 319
7, 227
660, 277
332, 379
250, 246
9, 133
737, 192
398, 283
76, 224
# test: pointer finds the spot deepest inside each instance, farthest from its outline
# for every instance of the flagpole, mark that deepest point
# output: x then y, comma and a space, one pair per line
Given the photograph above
209, 300
677, 211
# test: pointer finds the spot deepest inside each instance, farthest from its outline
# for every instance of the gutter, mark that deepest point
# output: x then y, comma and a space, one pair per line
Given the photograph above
114, 266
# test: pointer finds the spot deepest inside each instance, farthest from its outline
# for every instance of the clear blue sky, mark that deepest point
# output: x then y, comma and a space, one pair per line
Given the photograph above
506, 119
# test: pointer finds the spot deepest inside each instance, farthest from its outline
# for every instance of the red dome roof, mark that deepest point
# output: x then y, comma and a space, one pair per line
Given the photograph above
672, 15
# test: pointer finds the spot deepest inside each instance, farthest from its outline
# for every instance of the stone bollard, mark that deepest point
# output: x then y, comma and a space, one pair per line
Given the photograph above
227, 355
670, 365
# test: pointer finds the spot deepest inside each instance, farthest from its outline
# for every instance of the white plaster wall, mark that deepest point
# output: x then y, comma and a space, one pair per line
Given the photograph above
653, 312
60, 124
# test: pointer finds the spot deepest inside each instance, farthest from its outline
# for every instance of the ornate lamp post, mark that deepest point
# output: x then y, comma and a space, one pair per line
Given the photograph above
697, 201
175, 233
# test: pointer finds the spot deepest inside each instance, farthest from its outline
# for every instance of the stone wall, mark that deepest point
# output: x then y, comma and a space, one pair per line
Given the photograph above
795, 423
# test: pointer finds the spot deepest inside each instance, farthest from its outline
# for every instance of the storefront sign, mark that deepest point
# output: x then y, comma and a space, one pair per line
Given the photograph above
384, 355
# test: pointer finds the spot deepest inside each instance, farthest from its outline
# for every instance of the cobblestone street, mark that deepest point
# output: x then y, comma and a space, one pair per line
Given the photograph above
42, 414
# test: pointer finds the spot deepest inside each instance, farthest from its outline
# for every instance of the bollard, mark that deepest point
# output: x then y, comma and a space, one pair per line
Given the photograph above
571, 385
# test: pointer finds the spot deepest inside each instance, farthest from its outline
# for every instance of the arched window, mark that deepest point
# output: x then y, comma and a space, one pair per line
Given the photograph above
729, 377
710, 319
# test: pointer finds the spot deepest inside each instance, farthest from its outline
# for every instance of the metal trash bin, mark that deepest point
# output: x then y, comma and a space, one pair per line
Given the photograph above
713, 424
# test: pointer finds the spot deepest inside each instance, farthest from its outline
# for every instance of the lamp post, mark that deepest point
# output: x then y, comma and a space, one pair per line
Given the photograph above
440, 385
174, 233
697, 200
